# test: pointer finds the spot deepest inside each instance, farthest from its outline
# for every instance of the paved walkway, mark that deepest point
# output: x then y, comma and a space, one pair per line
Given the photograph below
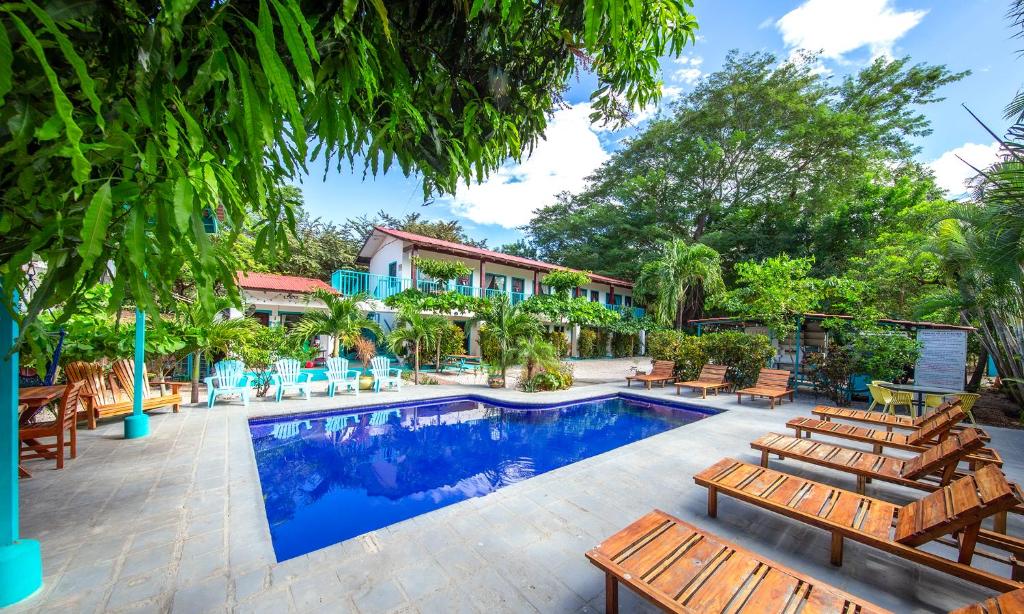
175, 522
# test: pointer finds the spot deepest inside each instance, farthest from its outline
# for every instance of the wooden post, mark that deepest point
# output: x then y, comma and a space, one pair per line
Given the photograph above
611, 594
968, 538
536, 284
483, 284
712, 502
412, 270
837, 549
611, 295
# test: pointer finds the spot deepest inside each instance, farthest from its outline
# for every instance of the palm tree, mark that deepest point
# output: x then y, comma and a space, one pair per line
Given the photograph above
509, 324
679, 279
343, 320
413, 329
537, 353
210, 332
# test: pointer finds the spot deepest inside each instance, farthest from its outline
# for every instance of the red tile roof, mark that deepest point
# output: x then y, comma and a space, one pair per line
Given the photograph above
460, 249
280, 283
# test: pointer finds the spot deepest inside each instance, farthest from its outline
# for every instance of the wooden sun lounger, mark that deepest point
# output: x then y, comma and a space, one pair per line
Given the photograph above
772, 384
933, 430
112, 395
956, 511
882, 419
917, 472
682, 568
661, 372
1007, 603
712, 377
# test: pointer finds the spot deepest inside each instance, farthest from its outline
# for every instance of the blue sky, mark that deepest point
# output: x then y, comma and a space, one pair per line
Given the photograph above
963, 35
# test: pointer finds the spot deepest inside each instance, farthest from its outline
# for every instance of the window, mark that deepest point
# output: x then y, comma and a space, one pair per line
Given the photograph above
628, 301
288, 320
263, 317
494, 282
393, 269
595, 296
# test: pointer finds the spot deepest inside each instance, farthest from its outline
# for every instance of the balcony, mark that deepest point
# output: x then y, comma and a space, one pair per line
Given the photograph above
381, 287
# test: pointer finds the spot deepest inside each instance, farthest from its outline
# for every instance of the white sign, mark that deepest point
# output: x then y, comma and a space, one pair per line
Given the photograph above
943, 361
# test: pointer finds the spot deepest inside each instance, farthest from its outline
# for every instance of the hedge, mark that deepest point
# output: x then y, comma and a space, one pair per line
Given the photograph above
745, 354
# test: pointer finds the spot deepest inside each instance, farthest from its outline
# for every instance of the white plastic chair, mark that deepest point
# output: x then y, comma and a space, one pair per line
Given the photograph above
290, 376
384, 374
338, 373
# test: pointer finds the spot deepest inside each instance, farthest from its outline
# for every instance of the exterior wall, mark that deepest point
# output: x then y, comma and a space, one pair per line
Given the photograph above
390, 251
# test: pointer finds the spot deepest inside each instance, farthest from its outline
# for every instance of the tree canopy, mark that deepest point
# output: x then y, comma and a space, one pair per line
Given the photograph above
763, 156
122, 125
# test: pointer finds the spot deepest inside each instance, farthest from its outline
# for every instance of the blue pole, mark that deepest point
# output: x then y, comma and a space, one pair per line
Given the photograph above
137, 424
21, 563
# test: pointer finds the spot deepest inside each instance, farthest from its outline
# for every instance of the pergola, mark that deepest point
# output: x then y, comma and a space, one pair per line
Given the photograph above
21, 565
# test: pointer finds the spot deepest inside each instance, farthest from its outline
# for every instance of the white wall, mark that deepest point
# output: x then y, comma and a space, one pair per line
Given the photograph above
390, 251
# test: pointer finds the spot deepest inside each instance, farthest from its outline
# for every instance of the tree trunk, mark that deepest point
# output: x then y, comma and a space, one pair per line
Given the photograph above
196, 356
437, 364
416, 363
979, 371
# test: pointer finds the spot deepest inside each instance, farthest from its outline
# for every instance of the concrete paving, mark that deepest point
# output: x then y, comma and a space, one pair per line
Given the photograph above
175, 523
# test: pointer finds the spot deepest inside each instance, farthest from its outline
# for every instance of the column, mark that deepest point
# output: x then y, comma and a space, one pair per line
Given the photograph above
574, 341
21, 564
137, 425
483, 285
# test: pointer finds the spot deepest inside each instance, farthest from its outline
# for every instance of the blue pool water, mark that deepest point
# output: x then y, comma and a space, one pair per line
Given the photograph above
329, 477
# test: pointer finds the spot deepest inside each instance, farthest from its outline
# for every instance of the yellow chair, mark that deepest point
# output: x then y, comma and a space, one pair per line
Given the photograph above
967, 400
879, 396
931, 401
900, 398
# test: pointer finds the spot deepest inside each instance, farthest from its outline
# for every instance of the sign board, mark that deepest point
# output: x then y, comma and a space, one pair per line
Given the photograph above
943, 361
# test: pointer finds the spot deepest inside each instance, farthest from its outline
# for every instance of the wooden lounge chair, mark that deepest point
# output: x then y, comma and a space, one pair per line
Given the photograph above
1007, 603
933, 430
682, 568
956, 511
661, 372
772, 384
880, 419
712, 377
105, 396
63, 429
917, 472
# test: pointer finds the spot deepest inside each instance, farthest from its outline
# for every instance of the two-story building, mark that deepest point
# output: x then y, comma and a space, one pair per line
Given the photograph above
389, 256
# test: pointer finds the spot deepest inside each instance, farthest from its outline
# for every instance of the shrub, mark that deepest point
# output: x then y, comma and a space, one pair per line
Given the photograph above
601, 349
560, 341
745, 354
832, 371
453, 341
587, 343
623, 344
489, 349
885, 355
557, 378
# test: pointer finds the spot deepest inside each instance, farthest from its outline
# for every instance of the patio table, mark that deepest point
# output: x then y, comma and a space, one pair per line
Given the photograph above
34, 399
920, 391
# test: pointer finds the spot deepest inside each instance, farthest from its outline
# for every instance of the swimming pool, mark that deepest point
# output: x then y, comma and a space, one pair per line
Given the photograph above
332, 476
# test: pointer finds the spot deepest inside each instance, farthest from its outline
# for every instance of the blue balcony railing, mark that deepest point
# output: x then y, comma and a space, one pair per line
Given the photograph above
382, 286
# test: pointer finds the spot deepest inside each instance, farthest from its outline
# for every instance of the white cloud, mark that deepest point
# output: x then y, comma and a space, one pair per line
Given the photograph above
951, 174
561, 162
689, 69
837, 27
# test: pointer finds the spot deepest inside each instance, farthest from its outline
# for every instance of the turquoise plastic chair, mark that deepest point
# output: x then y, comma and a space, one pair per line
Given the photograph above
339, 373
290, 376
384, 374
228, 378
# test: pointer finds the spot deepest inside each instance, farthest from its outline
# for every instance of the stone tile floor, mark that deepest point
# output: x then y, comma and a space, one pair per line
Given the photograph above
175, 523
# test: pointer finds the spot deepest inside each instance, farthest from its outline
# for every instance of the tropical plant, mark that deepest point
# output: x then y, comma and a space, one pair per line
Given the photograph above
208, 334
623, 344
563, 281
773, 292
536, 353
559, 341
450, 339
744, 354
884, 355
831, 372
438, 302
343, 320
412, 331
441, 271
679, 280
506, 325
365, 351
138, 120
587, 344
264, 346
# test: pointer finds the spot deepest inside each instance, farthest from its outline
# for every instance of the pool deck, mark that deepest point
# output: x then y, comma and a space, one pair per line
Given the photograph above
175, 522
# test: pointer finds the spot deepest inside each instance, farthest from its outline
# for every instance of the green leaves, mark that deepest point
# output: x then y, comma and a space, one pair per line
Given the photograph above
94, 226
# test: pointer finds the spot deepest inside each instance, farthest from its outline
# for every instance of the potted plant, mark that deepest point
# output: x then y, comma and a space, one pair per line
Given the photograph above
365, 351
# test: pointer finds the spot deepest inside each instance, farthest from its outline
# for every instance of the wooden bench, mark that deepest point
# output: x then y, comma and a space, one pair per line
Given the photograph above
111, 394
916, 472
712, 377
661, 372
932, 431
772, 384
950, 516
682, 568
882, 419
